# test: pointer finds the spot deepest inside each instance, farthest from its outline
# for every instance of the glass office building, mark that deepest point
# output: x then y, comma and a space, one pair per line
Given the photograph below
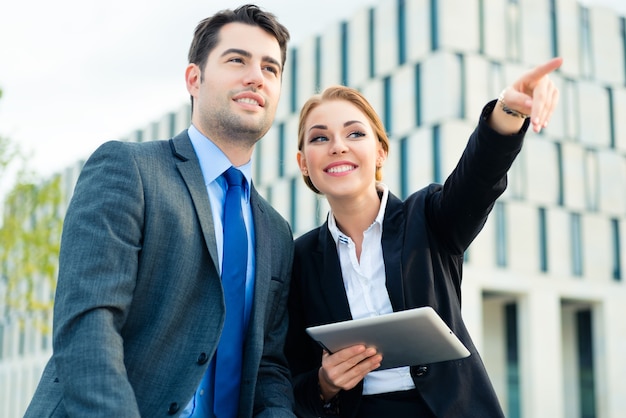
543, 293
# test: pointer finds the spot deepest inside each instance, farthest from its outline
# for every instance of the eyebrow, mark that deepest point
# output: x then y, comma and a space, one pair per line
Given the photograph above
247, 54
345, 124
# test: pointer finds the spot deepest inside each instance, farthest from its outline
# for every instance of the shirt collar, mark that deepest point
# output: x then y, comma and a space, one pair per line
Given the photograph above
339, 236
213, 162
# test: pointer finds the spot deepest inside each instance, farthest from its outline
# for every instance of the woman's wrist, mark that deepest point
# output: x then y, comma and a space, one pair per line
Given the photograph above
326, 389
505, 120
330, 403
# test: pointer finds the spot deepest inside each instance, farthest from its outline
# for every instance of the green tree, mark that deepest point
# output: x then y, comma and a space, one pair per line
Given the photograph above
30, 235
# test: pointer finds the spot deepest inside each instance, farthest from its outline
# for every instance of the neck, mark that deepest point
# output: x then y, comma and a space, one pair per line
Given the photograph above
354, 215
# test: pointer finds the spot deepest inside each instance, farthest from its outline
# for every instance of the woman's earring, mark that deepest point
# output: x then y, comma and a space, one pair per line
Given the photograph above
305, 172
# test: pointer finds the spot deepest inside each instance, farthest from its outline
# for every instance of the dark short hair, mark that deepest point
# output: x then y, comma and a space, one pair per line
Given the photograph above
206, 35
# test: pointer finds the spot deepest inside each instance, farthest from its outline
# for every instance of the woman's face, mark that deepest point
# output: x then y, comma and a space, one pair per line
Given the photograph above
340, 151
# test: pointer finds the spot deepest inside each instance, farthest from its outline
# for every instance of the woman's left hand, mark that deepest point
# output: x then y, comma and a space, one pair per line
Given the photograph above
532, 94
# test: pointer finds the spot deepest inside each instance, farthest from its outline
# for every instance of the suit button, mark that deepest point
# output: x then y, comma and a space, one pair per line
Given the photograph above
420, 371
173, 408
202, 358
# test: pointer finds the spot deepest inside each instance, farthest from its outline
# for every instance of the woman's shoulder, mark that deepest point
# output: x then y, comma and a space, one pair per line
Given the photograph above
309, 238
418, 197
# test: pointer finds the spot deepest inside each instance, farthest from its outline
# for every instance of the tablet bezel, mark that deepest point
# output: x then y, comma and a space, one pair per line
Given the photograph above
415, 336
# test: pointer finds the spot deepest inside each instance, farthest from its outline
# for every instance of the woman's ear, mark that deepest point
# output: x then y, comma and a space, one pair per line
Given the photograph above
302, 163
381, 157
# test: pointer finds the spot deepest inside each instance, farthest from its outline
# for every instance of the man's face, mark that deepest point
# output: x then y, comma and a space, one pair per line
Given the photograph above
236, 96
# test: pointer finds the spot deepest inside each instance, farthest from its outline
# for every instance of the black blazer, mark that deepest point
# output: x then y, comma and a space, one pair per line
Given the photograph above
424, 239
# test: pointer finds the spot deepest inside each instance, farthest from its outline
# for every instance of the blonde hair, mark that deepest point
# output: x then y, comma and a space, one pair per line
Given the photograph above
349, 95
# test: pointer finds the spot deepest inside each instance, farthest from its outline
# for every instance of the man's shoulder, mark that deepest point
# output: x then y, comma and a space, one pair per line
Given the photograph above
120, 146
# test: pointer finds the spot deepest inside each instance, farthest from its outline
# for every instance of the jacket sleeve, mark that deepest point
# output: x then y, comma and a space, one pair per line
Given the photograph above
100, 244
459, 210
273, 391
304, 354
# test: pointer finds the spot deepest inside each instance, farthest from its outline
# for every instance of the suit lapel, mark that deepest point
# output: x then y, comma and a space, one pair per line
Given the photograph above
392, 242
333, 290
189, 168
263, 256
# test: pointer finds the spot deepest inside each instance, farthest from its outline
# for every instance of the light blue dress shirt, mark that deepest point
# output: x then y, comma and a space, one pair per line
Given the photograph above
213, 163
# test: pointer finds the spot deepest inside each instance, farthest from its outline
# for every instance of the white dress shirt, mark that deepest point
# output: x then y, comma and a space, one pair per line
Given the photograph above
365, 284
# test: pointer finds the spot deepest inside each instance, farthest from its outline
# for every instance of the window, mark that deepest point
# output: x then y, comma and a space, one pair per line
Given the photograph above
258, 162
401, 18
569, 100
372, 42
437, 154
576, 244
592, 176
404, 168
578, 358
418, 95
586, 381
501, 349
345, 41
554, 27
293, 96
609, 91
561, 179
501, 246
623, 30
462, 97
387, 105
481, 27
171, 124
281, 149
293, 194
434, 26
513, 29
318, 63
512, 360
617, 250
586, 55
543, 241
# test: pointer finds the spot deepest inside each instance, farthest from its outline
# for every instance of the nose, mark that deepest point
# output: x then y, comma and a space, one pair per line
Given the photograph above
338, 146
254, 76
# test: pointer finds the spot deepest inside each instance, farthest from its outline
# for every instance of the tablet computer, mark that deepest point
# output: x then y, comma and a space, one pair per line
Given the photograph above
405, 338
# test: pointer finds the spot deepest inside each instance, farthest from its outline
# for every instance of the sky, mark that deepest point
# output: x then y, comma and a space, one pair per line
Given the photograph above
76, 73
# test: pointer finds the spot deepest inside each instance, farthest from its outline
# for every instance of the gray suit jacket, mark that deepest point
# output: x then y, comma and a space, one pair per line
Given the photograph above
139, 307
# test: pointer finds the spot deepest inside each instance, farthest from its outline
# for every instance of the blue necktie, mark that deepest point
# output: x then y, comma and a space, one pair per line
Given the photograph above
234, 266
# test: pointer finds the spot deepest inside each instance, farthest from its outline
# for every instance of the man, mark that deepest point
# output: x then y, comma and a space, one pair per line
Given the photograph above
140, 308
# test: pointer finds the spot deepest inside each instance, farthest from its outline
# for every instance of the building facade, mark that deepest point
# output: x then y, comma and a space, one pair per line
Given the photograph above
544, 283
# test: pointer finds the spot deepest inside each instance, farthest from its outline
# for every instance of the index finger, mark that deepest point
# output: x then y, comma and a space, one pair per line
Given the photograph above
545, 68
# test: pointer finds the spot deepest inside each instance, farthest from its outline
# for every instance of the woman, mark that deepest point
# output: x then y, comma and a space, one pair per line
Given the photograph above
377, 254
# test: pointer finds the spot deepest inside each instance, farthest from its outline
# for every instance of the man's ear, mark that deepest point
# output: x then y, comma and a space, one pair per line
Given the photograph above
192, 78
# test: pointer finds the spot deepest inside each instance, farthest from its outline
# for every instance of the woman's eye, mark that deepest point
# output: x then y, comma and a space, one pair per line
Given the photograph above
320, 138
356, 134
